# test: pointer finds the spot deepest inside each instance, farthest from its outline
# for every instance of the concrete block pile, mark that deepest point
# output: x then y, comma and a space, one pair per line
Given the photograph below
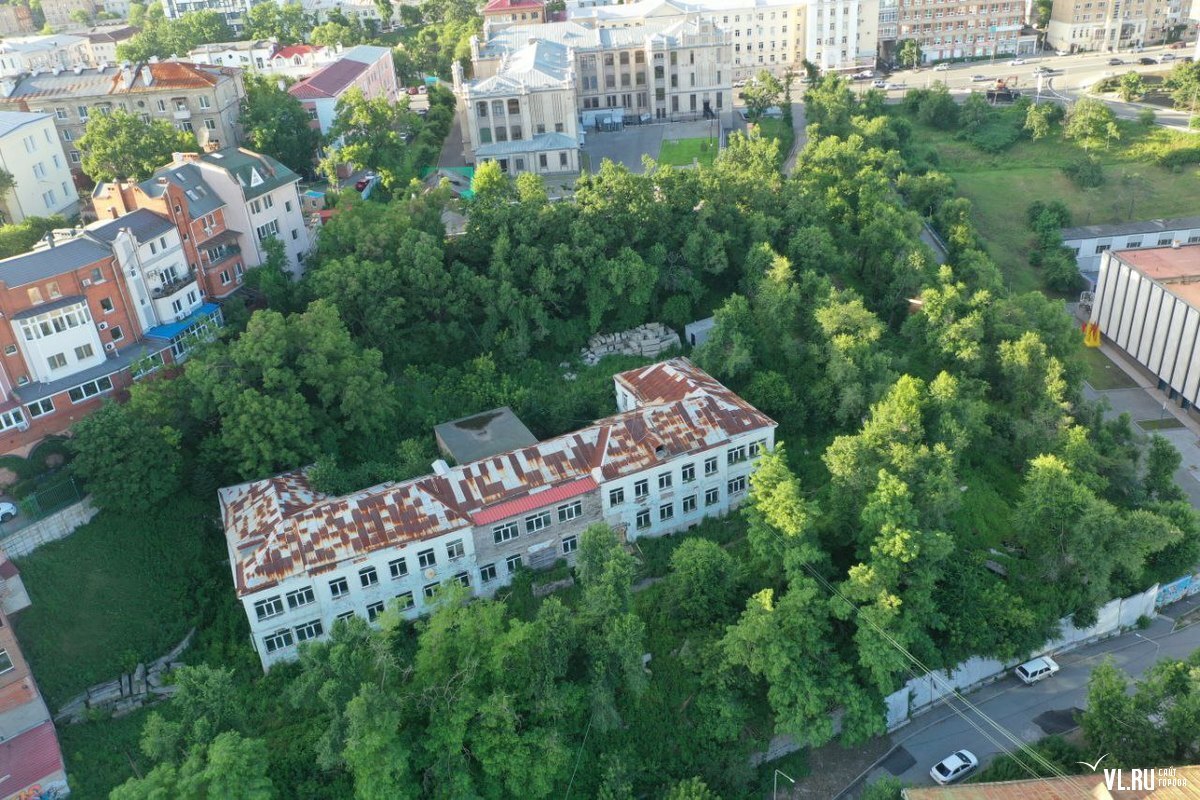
651, 339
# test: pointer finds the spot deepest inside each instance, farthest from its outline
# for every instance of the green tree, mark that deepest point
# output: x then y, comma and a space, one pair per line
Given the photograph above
206, 703
760, 93
1131, 87
120, 146
887, 788
371, 134
232, 767
164, 38
285, 22
81, 16
702, 581
1092, 124
126, 459
275, 123
691, 789
1183, 83
937, 108
829, 104
1040, 119
376, 751
137, 13
908, 51
22, 236
1162, 462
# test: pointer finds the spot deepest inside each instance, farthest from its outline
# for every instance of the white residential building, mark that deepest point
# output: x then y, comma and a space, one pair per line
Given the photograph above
21, 54
1091, 242
31, 152
102, 42
261, 201
249, 55
365, 67
233, 12
681, 449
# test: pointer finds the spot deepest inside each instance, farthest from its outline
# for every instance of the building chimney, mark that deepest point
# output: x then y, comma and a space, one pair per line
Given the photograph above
1175, 243
126, 77
147, 74
112, 212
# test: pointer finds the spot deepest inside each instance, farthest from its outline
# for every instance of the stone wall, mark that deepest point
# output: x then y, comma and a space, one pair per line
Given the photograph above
130, 691
58, 525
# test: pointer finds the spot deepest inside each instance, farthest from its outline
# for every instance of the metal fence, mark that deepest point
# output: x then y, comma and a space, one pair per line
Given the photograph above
48, 500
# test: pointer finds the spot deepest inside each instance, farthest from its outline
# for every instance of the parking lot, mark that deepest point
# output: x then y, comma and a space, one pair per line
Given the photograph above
627, 146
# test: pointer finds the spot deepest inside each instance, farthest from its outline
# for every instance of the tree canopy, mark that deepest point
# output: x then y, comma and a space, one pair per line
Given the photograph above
122, 146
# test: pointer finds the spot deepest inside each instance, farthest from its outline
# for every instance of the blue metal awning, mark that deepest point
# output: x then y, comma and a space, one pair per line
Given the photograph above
170, 331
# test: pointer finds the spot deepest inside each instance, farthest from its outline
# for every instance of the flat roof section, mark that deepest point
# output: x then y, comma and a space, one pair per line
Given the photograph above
1177, 269
488, 433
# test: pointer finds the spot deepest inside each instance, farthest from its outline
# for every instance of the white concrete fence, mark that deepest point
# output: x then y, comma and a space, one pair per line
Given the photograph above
921, 694
58, 525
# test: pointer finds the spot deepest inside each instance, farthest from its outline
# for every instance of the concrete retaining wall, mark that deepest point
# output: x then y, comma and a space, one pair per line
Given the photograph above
58, 525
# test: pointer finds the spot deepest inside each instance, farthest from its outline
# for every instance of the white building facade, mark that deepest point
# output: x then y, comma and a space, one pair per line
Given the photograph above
681, 450
31, 152
21, 54
1089, 243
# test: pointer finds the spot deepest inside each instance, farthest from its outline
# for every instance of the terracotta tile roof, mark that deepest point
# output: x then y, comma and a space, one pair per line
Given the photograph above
510, 5
329, 81
280, 527
291, 50
30, 758
1076, 787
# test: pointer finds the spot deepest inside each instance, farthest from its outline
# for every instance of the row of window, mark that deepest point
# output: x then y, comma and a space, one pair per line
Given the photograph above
508, 531
1133, 244
56, 321
687, 473
712, 497
40, 408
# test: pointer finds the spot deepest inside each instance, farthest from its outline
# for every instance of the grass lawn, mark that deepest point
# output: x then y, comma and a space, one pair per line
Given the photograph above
1164, 424
117, 591
682, 152
777, 129
98, 754
1001, 187
1103, 374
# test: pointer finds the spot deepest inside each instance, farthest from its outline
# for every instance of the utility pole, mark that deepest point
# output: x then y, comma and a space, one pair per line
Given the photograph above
775, 786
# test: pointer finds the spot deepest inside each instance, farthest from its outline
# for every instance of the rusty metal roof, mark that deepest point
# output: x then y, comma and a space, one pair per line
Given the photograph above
280, 527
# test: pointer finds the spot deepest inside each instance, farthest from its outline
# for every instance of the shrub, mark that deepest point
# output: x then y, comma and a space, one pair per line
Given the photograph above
1041, 215
1147, 117
1179, 157
1086, 172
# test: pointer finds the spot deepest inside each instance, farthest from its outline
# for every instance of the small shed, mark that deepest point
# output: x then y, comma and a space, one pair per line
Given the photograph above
697, 332
481, 435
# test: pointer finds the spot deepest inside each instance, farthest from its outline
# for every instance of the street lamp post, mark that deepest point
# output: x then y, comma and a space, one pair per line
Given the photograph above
775, 787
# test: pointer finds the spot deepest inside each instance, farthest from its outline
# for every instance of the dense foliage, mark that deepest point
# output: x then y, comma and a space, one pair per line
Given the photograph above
275, 123
123, 146
940, 469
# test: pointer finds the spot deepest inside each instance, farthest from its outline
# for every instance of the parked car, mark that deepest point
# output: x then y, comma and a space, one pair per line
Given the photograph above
7, 511
1147, 60
413, 90
363, 182
954, 767
941, 67
864, 75
980, 78
1017, 62
1166, 57
422, 89
1002, 94
1062, 52
1187, 59
1177, 45
892, 86
1045, 71
879, 84
1116, 62
1036, 670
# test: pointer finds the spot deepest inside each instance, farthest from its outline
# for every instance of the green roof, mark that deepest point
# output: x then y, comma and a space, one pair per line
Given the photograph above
256, 173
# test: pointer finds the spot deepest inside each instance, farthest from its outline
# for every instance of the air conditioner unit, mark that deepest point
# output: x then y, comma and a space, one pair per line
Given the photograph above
86, 282
110, 347
102, 326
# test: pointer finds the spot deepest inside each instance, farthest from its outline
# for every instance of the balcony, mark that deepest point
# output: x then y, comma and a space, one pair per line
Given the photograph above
182, 114
219, 255
172, 287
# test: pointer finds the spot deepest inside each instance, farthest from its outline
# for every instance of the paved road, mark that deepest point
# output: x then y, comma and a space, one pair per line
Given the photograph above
1031, 712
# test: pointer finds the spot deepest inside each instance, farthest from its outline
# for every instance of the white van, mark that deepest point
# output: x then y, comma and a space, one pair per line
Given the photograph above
1038, 669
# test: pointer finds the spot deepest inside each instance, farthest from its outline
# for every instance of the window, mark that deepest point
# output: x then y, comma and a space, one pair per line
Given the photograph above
562, 159
161, 105
309, 630
74, 154
570, 544
430, 590
481, 109
710, 466
712, 496
271, 607
5, 662
641, 489
267, 230
737, 455
1163, 242
543, 161
338, 587
39, 171
1100, 248
426, 559
616, 497
268, 201
506, 532
643, 519
204, 101
106, 304
689, 473
514, 107
398, 568
464, 578
225, 279
10, 350
57, 361
116, 333
754, 448
537, 522
512, 564
570, 511
374, 610
1133, 244
35, 295
84, 352
40, 408
345, 615
210, 124
487, 573
90, 389
664, 480
666, 511
515, 133
60, 113
485, 135
301, 597
11, 419
153, 248
405, 601
277, 641
737, 485
455, 550
689, 504
368, 576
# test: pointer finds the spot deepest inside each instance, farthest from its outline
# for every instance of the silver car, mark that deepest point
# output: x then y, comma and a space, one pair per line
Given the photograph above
954, 767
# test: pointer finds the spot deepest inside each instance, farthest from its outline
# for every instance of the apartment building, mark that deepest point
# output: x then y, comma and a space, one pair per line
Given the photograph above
30, 759
233, 12
1111, 25
365, 67
61, 13
958, 28
31, 152
201, 99
681, 449
525, 116
265, 56
20, 54
15, 20
514, 12
102, 42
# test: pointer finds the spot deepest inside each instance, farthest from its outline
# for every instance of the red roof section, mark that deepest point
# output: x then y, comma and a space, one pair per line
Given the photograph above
510, 5
296, 50
555, 494
7, 568
329, 81
30, 758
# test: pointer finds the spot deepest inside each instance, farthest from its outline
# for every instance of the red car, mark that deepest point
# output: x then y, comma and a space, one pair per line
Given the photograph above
363, 182
413, 90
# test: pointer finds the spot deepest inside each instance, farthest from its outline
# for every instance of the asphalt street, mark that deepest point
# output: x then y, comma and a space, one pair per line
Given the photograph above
1030, 712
